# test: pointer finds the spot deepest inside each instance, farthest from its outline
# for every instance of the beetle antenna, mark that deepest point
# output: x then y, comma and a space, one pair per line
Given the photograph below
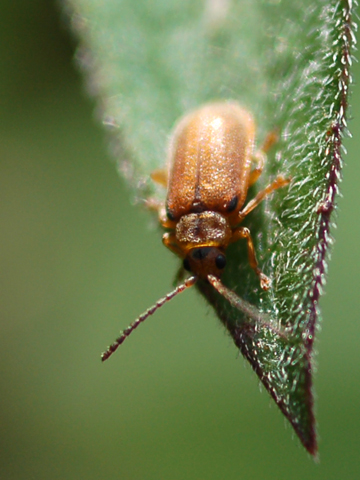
150, 311
250, 310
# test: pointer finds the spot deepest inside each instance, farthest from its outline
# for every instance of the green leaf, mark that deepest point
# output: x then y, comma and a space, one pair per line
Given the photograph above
150, 62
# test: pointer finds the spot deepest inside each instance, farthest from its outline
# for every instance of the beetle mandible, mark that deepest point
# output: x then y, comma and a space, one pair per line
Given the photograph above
209, 172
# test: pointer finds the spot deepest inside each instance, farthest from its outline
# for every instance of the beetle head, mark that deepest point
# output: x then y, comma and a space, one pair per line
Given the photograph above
204, 261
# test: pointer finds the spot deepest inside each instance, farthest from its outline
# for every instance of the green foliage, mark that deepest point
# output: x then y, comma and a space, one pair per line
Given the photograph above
149, 62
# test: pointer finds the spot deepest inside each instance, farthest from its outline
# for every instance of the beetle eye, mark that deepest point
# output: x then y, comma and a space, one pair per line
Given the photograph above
186, 264
220, 261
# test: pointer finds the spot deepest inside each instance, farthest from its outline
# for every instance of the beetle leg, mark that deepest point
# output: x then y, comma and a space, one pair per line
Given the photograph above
160, 176
243, 232
169, 240
280, 181
260, 156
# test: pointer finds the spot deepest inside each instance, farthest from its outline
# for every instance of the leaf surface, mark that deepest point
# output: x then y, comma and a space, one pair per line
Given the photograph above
151, 61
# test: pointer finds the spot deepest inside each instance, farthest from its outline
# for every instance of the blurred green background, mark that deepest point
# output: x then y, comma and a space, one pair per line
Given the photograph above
78, 263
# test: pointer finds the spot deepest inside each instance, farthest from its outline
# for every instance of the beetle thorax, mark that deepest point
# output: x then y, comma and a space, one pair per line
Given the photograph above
208, 229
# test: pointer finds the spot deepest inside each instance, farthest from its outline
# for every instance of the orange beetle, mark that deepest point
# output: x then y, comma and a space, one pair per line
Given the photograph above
209, 173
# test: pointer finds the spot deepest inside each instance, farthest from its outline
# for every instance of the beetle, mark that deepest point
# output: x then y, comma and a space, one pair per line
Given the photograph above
209, 171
